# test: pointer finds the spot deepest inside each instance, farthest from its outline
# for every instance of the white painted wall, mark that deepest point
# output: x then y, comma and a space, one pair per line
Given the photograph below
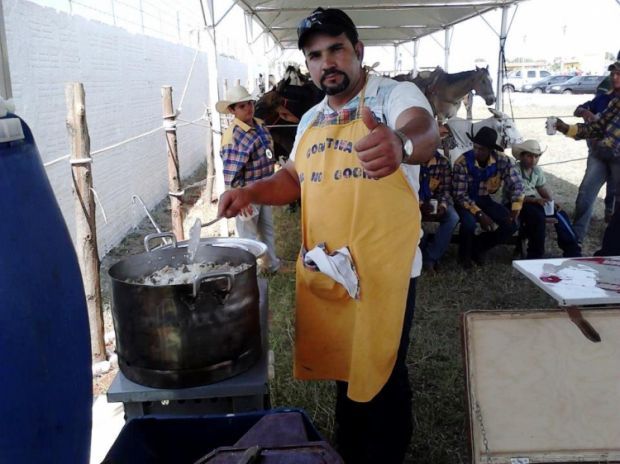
122, 73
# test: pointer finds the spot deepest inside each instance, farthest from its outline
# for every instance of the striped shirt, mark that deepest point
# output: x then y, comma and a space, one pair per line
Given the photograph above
506, 174
606, 128
244, 153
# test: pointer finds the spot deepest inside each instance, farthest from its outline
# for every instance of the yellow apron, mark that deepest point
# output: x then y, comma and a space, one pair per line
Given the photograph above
337, 337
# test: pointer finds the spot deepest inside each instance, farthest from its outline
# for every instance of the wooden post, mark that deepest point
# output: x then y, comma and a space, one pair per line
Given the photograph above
85, 221
174, 172
210, 189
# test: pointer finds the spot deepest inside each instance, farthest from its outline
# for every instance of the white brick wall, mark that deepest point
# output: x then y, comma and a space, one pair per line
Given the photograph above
122, 75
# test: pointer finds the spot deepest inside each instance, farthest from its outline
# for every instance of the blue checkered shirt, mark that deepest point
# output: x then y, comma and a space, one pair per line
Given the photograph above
244, 155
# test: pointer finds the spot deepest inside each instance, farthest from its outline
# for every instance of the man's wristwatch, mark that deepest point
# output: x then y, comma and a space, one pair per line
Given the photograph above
407, 146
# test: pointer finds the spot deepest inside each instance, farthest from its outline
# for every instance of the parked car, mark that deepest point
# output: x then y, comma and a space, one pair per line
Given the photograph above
517, 79
541, 85
577, 84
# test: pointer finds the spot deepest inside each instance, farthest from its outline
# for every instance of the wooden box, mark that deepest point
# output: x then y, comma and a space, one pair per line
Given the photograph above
538, 390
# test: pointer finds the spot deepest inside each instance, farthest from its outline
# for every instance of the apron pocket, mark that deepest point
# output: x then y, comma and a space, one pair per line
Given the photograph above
322, 285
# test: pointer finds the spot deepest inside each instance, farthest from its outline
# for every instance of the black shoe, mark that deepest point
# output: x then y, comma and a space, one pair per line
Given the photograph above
479, 258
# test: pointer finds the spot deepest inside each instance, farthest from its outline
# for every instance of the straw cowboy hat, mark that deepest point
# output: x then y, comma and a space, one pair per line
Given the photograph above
236, 94
527, 146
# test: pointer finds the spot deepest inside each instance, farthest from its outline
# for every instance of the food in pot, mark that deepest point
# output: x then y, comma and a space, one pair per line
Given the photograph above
186, 273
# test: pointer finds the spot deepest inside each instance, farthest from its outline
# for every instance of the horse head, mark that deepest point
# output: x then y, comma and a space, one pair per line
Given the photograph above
505, 127
483, 85
285, 105
292, 76
459, 142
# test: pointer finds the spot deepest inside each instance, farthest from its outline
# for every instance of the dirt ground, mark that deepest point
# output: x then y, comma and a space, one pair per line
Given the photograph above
564, 163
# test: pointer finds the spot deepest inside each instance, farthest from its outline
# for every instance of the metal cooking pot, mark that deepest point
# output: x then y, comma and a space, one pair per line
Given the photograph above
184, 335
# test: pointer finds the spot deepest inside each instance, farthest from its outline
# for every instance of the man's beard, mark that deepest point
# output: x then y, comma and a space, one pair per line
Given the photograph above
339, 87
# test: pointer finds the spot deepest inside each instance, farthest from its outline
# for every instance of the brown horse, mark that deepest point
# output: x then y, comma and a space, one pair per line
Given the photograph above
293, 96
445, 91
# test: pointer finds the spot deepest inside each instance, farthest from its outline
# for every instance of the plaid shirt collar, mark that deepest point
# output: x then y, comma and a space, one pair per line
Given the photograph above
245, 127
435, 159
492, 160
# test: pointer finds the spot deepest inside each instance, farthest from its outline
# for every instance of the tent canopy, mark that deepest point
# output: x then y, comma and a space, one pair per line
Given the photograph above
379, 22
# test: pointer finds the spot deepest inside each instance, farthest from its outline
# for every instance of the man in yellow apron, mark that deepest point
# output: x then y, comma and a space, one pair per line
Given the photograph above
354, 165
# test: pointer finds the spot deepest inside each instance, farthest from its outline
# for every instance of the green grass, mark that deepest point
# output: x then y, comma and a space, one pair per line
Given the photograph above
435, 361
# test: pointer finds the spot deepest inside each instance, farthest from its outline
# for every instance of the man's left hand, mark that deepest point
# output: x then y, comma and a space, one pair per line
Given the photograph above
381, 151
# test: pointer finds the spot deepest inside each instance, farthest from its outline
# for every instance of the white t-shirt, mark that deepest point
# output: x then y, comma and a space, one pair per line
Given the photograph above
387, 99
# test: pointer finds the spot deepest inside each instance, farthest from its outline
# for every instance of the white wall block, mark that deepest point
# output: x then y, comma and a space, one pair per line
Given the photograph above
122, 73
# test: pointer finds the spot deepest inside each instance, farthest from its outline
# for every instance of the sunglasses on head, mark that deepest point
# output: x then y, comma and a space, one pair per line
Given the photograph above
323, 17
315, 18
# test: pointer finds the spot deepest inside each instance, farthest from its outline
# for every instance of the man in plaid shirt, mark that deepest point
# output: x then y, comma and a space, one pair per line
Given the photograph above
436, 185
607, 129
478, 174
247, 155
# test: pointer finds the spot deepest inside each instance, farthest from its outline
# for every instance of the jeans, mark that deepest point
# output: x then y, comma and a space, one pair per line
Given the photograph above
260, 227
486, 240
434, 248
611, 239
379, 431
601, 167
533, 220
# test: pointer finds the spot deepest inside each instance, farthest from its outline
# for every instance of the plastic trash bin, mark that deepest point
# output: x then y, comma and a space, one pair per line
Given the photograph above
186, 440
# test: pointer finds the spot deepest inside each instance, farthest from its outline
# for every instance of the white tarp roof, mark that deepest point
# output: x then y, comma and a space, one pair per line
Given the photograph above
379, 22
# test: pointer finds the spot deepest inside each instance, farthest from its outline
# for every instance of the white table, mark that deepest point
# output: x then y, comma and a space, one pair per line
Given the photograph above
593, 281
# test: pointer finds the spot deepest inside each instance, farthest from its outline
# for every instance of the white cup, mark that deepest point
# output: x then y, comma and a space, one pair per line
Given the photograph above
434, 204
549, 208
550, 125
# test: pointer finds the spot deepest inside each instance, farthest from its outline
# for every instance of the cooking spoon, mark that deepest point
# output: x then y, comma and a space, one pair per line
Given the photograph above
194, 240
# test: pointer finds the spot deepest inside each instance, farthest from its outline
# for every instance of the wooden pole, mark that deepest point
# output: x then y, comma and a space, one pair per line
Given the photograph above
211, 195
85, 222
174, 172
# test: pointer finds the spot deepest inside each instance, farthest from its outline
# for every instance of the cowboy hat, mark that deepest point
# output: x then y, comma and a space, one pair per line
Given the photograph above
236, 94
527, 146
487, 137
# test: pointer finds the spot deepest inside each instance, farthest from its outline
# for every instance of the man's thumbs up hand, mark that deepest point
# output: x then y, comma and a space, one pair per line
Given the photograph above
369, 119
381, 151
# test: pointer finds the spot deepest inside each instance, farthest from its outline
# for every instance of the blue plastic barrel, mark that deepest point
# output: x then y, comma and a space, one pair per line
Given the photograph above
45, 357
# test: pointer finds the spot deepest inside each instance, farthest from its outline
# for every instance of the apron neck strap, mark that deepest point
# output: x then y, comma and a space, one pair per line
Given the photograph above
360, 104
362, 94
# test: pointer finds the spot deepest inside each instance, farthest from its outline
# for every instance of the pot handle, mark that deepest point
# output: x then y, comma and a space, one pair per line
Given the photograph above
230, 277
163, 236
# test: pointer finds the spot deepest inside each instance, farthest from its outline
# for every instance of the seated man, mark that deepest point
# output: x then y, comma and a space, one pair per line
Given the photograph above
536, 196
477, 174
436, 205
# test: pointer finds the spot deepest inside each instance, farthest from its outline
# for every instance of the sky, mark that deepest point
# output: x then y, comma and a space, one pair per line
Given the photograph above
541, 29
